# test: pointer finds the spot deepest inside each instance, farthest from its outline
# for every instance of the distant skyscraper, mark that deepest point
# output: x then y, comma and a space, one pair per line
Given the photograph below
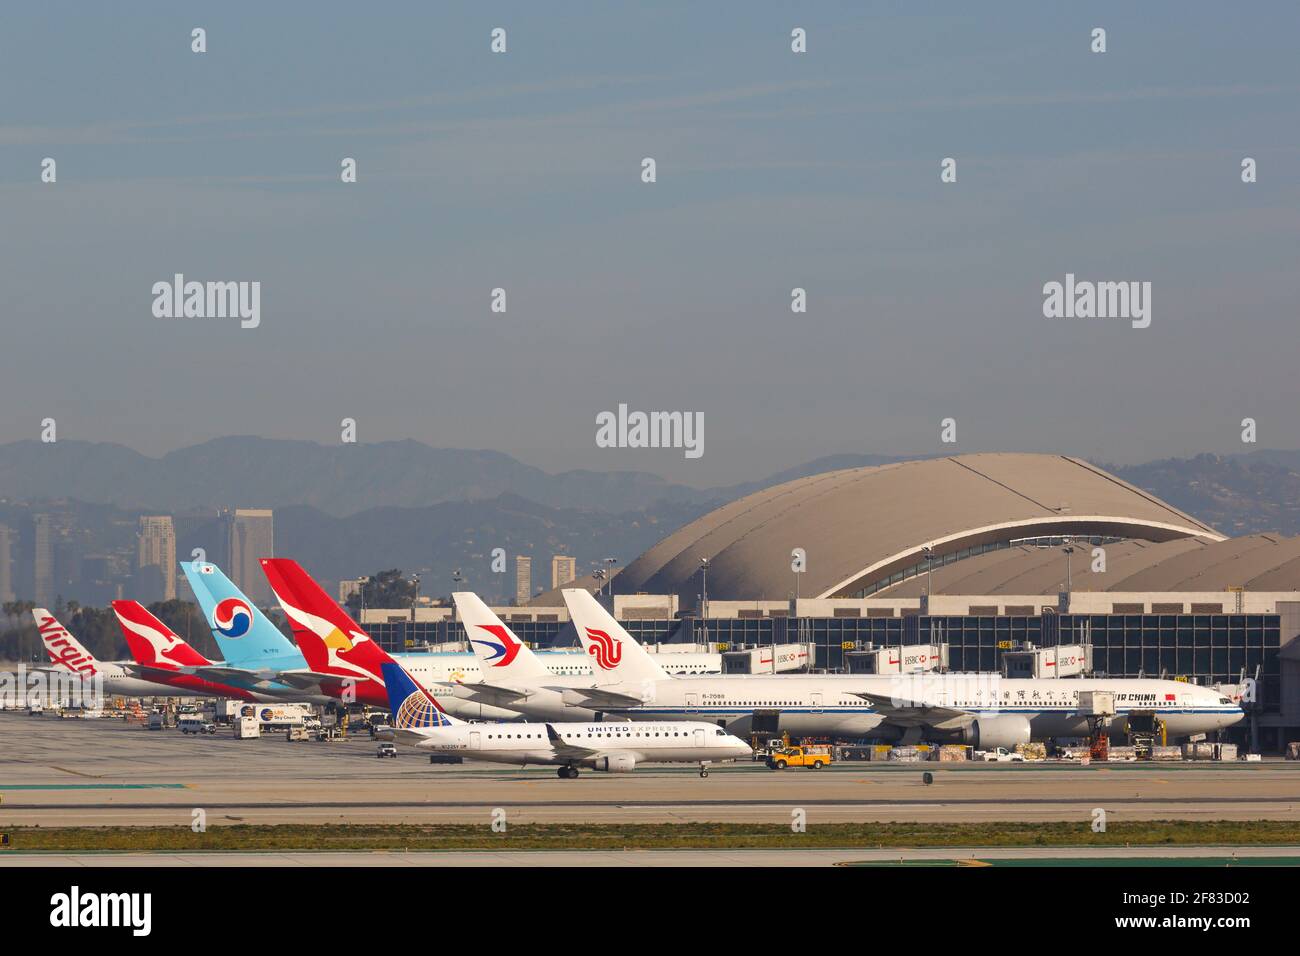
156, 548
523, 579
349, 587
563, 570
44, 564
6, 564
252, 537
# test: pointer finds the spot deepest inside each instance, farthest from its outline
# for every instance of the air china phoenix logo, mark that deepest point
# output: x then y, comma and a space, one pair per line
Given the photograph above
232, 617
504, 649
607, 650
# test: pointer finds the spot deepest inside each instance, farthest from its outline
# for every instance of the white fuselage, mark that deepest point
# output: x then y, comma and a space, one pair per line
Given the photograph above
528, 743
93, 684
450, 667
829, 705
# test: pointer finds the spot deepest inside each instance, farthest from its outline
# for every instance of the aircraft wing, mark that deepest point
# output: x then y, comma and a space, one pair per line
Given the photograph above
595, 698
908, 713
233, 675
493, 694
159, 675
567, 750
306, 680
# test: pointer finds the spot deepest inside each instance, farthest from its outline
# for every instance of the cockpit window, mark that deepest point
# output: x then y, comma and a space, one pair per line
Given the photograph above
720, 732
1225, 700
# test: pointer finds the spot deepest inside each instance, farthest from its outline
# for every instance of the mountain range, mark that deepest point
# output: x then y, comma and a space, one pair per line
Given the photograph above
353, 509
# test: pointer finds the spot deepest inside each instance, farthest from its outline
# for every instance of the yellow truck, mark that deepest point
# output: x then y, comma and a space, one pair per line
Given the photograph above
814, 757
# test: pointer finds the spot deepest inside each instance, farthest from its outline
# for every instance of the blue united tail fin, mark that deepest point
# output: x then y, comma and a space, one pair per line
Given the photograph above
246, 637
412, 707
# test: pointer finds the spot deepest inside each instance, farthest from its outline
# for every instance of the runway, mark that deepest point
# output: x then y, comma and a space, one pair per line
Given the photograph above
967, 857
104, 772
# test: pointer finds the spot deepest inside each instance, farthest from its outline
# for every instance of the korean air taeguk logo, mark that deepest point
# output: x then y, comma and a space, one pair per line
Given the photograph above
232, 617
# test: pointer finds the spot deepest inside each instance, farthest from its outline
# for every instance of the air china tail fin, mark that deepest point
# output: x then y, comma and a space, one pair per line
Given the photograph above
152, 642
614, 654
66, 653
412, 707
246, 637
495, 644
329, 639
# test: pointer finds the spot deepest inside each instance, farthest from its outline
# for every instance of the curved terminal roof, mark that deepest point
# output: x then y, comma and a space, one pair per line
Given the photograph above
1259, 562
861, 525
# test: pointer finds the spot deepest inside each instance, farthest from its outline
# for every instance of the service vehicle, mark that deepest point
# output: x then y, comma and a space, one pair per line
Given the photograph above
813, 757
387, 750
999, 755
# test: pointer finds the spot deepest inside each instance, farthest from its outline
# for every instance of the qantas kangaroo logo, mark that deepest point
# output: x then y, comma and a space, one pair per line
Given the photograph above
607, 650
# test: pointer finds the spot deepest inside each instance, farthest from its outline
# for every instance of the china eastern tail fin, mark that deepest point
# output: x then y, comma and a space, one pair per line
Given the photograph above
495, 645
614, 654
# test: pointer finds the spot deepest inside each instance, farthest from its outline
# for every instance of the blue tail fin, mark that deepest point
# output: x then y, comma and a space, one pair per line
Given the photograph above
412, 707
244, 634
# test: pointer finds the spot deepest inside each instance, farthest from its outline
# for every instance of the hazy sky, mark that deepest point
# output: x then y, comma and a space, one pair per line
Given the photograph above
775, 170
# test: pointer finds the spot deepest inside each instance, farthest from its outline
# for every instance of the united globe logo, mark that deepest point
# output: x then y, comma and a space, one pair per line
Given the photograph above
417, 711
232, 617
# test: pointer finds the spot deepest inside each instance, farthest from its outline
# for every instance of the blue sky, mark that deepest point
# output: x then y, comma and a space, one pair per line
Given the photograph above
775, 170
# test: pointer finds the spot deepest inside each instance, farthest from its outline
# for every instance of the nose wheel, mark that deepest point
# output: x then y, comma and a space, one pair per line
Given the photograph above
704, 771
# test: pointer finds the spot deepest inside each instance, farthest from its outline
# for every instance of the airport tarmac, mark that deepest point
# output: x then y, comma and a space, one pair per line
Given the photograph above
56, 772
968, 857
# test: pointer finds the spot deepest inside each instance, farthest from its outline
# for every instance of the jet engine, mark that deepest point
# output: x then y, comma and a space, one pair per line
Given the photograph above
1005, 731
616, 763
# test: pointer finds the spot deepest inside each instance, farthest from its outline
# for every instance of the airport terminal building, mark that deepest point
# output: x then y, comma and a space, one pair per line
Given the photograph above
990, 561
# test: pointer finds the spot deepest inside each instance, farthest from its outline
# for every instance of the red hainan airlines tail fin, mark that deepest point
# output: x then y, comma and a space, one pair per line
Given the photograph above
153, 643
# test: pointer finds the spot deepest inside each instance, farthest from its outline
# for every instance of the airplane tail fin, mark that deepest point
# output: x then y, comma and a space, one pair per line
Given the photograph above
329, 639
152, 642
614, 653
412, 707
494, 644
65, 652
246, 637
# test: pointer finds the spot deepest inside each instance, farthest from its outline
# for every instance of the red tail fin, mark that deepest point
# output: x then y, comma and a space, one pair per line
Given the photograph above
330, 640
151, 641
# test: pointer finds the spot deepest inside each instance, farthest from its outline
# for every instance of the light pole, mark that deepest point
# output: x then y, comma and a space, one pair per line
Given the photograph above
929, 588
456, 580
704, 601
610, 574
1069, 551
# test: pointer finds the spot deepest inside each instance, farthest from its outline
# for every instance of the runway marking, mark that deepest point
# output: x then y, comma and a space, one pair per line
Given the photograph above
93, 786
75, 773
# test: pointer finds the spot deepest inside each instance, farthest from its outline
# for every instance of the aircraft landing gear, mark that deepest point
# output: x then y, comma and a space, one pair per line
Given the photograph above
567, 773
704, 771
